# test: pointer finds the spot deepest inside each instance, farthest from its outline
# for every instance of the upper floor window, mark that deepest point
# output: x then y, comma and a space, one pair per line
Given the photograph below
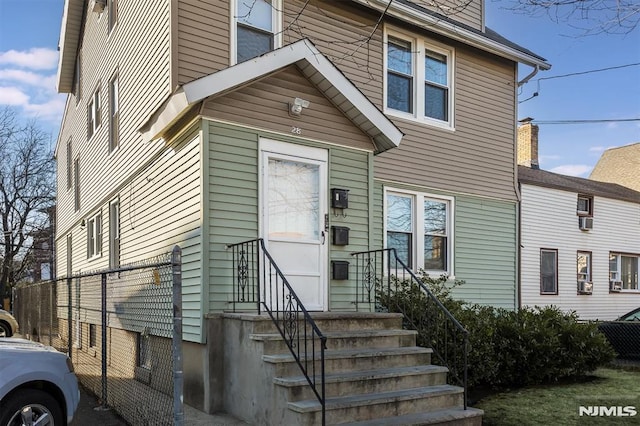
114, 114
548, 271
77, 78
419, 227
69, 165
585, 205
418, 80
93, 114
76, 184
257, 24
94, 236
113, 13
624, 267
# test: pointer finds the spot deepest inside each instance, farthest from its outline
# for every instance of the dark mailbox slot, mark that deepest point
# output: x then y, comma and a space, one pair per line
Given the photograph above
340, 235
339, 270
339, 198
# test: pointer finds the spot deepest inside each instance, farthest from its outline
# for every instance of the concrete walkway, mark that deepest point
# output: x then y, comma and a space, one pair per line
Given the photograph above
89, 413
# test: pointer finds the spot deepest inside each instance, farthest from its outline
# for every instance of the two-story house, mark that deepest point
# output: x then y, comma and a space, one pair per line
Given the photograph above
580, 249
209, 123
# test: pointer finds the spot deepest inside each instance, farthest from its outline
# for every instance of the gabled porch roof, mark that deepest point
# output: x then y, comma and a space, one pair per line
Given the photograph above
313, 65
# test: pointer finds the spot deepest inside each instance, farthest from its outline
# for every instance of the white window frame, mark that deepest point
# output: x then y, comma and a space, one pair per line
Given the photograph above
114, 112
93, 114
589, 273
417, 221
113, 14
419, 47
618, 272
276, 25
94, 236
589, 211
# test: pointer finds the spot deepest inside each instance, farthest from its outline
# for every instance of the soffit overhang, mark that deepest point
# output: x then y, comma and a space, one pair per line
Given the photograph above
487, 41
70, 33
313, 65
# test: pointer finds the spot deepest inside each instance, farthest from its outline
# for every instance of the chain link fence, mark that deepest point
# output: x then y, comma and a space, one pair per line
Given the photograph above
123, 331
624, 337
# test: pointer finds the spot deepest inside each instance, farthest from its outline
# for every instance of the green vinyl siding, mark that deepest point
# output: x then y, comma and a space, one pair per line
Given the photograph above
485, 254
349, 169
232, 216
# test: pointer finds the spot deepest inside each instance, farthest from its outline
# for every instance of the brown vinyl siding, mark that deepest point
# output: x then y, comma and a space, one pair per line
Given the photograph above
477, 157
203, 38
466, 12
264, 104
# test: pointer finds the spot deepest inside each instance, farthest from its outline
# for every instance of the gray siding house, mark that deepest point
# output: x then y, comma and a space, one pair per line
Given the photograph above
210, 123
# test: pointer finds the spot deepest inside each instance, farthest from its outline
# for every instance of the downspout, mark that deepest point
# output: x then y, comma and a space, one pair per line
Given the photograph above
529, 77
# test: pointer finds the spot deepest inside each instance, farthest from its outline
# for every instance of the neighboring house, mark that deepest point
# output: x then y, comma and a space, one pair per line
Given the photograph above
619, 165
205, 124
579, 240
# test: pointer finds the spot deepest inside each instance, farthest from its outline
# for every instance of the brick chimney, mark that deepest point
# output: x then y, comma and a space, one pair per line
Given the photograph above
528, 143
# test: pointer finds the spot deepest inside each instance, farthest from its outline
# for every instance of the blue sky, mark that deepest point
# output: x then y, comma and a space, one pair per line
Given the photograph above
29, 33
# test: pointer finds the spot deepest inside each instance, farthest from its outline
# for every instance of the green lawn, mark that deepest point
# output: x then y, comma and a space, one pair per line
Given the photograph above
557, 405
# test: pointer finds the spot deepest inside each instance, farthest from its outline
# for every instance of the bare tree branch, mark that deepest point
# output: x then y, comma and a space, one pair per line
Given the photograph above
589, 16
27, 187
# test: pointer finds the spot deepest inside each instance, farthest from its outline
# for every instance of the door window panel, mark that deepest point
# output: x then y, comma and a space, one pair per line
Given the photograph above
294, 199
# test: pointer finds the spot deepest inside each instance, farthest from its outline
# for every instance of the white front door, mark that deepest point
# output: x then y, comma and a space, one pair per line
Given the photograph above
294, 205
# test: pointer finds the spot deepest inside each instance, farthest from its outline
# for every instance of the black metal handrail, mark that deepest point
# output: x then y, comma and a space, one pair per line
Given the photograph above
385, 283
258, 279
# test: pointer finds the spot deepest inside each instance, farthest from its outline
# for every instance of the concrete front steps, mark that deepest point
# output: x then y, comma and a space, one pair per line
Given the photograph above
374, 375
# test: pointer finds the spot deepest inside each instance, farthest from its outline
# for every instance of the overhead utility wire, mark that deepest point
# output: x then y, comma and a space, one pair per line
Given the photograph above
585, 121
587, 72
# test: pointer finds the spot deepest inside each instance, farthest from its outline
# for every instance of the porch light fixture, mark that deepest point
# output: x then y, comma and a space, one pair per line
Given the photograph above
296, 107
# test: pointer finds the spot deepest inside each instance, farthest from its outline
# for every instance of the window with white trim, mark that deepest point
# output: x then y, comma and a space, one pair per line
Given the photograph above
419, 227
585, 205
583, 262
624, 267
114, 113
418, 79
94, 236
113, 13
256, 27
93, 114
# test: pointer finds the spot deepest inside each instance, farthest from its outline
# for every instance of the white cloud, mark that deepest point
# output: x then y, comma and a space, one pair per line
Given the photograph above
35, 58
13, 96
579, 170
51, 110
29, 78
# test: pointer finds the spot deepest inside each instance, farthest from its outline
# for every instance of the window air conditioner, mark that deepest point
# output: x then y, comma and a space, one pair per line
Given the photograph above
585, 287
585, 223
615, 285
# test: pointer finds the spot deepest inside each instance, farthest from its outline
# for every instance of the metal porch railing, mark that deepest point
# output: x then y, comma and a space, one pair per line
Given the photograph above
257, 279
386, 284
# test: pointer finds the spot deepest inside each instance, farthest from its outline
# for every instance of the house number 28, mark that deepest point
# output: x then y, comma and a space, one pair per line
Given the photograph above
296, 130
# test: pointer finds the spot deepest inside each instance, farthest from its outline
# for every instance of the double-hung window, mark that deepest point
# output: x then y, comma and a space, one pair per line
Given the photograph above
114, 113
76, 184
585, 205
113, 13
548, 271
257, 25
69, 165
418, 79
583, 262
419, 228
94, 236
93, 114
624, 267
